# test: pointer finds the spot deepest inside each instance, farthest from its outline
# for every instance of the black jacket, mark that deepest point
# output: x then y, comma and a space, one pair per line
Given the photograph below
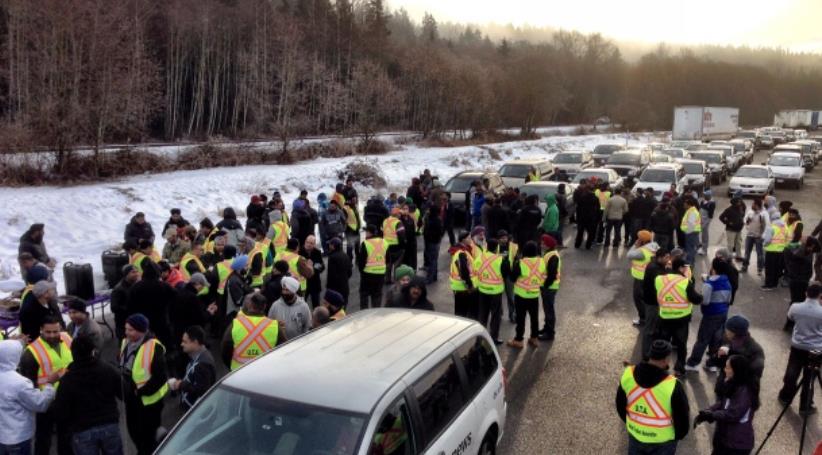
32, 315
662, 222
641, 208
37, 249
798, 263
587, 207
272, 289
433, 229
153, 298
422, 302
188, 309
119, 298
316, 257
415, 194
375, 213
648, 376
200, 375
301, 225
649, 282
136, 232
733, 219
529, 219
181, 223
229, 221
339, 272
497, 220
87, 396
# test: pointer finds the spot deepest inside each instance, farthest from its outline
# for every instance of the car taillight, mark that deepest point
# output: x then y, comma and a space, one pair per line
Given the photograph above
505, 380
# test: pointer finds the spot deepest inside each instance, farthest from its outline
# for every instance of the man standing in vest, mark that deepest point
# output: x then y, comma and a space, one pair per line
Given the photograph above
492, 270
691, 227
260, 259
509, 249
143, 367
548, 290
641, 254
676, 296
653, 404
603, 194
299, 267
46, 356
393, 233
191, 263
463, 278
529, 273
251, 334
353, 223
372, 261
277, 231
774, 241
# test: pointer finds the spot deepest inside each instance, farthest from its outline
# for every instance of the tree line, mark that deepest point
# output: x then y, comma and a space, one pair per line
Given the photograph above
93, 72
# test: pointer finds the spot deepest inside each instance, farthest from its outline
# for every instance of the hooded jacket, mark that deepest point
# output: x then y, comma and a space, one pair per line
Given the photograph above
232, 227
648, 376
550, 222
716, 295
35, 248
88, 395
422, 302
19, 399
153, 298
135, 231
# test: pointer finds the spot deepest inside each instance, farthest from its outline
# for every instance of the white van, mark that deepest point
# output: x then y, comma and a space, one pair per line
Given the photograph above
515, 173
376, 382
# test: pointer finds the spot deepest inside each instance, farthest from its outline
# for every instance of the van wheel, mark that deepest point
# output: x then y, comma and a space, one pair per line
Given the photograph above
488, 446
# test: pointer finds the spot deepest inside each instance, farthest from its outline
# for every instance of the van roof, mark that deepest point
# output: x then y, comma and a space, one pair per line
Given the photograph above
528, 161
350, 364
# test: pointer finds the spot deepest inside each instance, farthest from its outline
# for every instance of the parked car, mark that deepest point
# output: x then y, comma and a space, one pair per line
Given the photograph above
716, 165
778, 137
656, 146
459, 185
661, 158
377, 381
752, 180
732, 160
542, 189
676, 153
810, 151
629, 162
515, 173
766, 141
602, 152
787, 168
697, 173
571, 162
602, 175
660, 177
745, 147
803, 149
697, 147
682, 144
751, 135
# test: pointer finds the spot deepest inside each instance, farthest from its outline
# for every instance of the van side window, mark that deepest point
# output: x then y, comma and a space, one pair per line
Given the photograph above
480, 363
439, 394
393, 435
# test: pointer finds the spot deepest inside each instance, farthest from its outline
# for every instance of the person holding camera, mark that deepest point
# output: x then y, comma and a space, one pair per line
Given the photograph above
805, 344
738, 400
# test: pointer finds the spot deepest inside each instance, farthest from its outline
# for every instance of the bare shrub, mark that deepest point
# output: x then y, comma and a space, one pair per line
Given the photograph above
363, 172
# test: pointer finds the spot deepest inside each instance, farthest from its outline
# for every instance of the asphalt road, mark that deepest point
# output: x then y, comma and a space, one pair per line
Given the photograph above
561, 394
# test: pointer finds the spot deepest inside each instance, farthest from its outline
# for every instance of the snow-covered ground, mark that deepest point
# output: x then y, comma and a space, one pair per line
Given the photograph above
83, 221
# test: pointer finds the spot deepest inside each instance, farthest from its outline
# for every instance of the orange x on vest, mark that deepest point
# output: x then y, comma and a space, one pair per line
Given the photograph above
656, 417
377, 256
255, 335
534, 279
486, 267
668, 290
43, 359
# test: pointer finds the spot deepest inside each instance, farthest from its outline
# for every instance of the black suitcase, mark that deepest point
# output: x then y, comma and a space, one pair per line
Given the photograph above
113, 262
79, 280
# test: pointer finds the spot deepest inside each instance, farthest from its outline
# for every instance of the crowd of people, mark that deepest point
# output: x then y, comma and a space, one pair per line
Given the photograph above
251, 287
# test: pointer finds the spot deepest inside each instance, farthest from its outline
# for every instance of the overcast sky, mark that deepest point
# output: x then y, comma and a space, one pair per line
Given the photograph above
794, 24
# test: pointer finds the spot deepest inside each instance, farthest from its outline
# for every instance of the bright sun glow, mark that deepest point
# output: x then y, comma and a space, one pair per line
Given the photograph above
783, 23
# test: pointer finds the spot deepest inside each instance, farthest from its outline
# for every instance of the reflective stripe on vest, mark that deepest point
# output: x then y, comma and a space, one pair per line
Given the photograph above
555, 285
779, 240
489, 273
208, 245
136, 260
49, 360
638, 266
683, 226
671, 291
223, 272
389, 231
375, 256
188, 257
293, 260
351, 220
457, 284
648, 412
253, 336
603, 197
257, 280
141, 369
280, 239
532, 276
792, 229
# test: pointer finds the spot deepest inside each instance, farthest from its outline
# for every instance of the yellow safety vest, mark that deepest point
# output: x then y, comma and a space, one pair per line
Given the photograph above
512, 251
49, 360
489, 273
223, 272
141, 369
352, 220
293, 260
338, 315
375, 262
648, 413
603, 197
390, 441
672, 296
457, 284
136, 260
268, 258
389, 231
280, 240
533, 177
638, 266
26, 291
555, 285
791, 229
188, 257
416, 216
208, 245
779, 240
532, 276
253, 336
683, 226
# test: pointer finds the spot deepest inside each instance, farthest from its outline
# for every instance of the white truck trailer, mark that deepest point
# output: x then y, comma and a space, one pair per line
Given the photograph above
797, 118
703, 123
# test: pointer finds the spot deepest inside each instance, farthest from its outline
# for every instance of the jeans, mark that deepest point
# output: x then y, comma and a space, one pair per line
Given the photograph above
352, 244
549, 297
589, 229
430, 259
21, 448
709, 337
530, 308
750, 242
706, 233
638, 300
734, 242
642, 448
103, 439
616, 226
691, 243
796, 363
490, 306
465, 304
509, 300
675, 331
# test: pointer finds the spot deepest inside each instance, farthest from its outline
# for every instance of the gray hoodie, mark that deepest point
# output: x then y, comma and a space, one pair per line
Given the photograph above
19, 399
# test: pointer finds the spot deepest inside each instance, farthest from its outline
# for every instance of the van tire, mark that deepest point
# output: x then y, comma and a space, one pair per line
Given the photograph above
489, 446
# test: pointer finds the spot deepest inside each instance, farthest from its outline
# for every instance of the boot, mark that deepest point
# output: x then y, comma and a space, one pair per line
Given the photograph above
516, 344
533, 342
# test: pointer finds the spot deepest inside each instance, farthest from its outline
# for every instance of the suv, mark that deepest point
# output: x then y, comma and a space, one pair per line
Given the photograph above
459, 185
571, 162
803, 149
602, 152
745, 147
602, 175
697, 174
732, 160
716, 165
750, 135
660, 177
676, 153
787, 168
515, 173
378, 381
629, 163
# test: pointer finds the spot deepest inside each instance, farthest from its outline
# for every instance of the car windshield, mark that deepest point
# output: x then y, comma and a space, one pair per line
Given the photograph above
602, 176
725, 151
752, 172
232, 422
606, 149
568, 158
459, 184
658, 176
515, 170
693, 168
661, 158
789, 161
746, 134
786, 149
738, 146
674, 153
540, 191
624, 158
707, 157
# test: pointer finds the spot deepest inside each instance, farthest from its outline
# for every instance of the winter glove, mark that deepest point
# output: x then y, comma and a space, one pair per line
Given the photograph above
704, 416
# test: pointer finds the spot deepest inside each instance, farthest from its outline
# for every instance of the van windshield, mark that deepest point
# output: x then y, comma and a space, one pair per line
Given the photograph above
519, 171
632, 159
459, 184
568, 158
693, 168
787, 161
658, 176
606, 149
231, 422
712, 158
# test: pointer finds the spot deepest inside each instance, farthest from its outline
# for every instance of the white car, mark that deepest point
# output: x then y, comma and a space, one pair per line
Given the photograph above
676, 153
787, 167
601, 174
732, 159
752, 180
377, 381
542, 189
659, 177
697, 173
571, 162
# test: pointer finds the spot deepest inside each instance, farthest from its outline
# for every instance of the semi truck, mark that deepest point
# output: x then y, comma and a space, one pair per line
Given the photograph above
703, 123
797, 118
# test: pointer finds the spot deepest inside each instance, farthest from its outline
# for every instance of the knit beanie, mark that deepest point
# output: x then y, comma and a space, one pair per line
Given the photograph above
737, 324
138, 322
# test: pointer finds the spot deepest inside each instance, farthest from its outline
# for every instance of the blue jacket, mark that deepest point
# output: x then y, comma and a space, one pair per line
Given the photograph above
716, 293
